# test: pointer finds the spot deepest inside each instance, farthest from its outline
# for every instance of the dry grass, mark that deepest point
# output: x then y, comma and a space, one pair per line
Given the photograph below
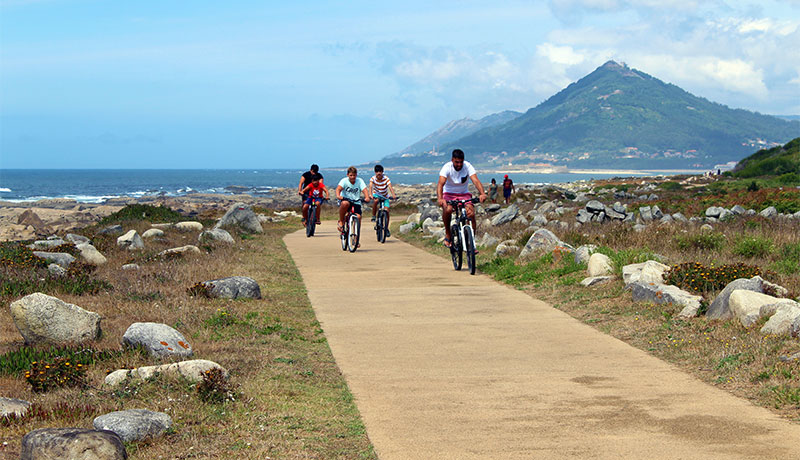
291, 400
723, 354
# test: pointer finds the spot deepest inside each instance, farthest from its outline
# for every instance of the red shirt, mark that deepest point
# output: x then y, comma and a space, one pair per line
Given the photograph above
315, 191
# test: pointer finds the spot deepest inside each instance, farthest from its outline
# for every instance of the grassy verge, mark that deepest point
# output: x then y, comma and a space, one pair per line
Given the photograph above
723, 354
286, 397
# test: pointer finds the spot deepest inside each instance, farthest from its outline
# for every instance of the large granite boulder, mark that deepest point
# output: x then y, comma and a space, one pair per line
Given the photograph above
720, 309
505, 216
746, 305
158, 339
583, 253
769, 212
780, 322
645, 272
542, 241
153, 233
192, 370
46, 244
233, 287
665, 293
216, 234
189, 248
241, 216
42, 318
72, 444
191, 226
90, 254
131, 241
134, 424
599, 265
60, 258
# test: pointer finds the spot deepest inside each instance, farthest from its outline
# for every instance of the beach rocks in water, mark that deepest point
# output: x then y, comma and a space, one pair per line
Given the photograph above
41, 318
234, 287
131, 241
72, 444
242, 217
134, 424
158, 339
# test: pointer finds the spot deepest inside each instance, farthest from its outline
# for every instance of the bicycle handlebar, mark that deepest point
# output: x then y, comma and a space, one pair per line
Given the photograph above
461, 202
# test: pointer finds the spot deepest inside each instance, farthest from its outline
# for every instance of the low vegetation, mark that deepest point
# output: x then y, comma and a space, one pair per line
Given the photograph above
285, 397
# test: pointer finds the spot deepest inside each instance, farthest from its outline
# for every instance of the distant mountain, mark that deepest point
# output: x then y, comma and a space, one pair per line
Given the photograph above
776, 161
455, 130
618, 117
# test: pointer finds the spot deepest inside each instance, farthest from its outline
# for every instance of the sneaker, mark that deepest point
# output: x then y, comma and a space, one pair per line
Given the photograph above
388, 233
373, 219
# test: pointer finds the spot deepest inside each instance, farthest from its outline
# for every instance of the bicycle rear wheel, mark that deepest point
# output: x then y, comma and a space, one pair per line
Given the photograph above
343, 235
311, 220
455, 247
353, 233
380, 226
469, 243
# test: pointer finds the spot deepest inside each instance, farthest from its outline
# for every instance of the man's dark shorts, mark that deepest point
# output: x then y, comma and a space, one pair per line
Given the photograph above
356, 207
506, 192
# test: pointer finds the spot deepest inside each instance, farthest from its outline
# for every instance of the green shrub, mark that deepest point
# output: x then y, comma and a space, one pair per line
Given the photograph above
789, 261
16, 361
702, 241
752, 246
670, 186
628, 256
215, 387
57, 373
789, 178
698, 278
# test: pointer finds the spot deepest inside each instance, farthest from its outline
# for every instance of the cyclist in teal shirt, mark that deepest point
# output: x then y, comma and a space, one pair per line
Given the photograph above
350, 190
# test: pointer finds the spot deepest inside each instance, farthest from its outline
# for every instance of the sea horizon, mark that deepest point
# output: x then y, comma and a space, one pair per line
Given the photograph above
96, 185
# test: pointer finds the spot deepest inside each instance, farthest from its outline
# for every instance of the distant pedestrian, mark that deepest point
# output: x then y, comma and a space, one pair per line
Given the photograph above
493, 191
508, 188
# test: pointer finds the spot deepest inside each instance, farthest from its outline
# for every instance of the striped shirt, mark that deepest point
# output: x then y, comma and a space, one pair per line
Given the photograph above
380, 187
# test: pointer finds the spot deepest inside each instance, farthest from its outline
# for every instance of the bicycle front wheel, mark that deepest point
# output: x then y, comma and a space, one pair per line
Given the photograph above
469, 244
353, 233
343, 236
311, 221
380, 226
455, 247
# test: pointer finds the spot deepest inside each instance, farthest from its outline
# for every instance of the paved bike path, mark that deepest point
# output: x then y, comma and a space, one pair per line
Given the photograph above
444, 365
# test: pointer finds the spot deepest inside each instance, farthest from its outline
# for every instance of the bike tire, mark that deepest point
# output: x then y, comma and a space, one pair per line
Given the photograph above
343, 236
354, 228
311, 221
456, 252
380, 227
469, 243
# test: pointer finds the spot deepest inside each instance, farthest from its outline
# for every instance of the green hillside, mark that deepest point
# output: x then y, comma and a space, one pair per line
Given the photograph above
618, 116
777, 161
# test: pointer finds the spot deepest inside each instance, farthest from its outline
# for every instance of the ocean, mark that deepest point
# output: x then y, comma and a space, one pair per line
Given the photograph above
97, 185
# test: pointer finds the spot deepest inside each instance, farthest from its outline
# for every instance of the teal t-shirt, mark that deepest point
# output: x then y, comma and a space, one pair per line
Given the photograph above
352, 191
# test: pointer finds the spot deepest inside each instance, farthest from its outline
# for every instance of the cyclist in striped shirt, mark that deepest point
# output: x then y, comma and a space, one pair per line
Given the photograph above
379, 187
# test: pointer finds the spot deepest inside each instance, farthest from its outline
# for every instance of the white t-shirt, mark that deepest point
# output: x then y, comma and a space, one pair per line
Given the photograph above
457, 181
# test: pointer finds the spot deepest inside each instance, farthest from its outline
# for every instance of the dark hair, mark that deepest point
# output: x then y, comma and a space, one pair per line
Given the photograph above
314, 168
352, 169
458, 154
494, 181
316, 176
378, 168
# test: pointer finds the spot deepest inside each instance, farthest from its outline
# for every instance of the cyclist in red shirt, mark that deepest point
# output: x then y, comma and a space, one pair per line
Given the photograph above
316, 190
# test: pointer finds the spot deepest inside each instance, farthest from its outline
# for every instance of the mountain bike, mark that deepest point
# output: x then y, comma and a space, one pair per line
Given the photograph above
382, 220
351, 228
312, 217
463, 235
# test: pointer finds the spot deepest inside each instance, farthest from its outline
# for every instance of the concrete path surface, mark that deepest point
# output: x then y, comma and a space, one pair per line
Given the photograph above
444, 365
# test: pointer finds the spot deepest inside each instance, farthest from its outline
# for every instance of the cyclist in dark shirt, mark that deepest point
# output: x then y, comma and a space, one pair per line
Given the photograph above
306, 179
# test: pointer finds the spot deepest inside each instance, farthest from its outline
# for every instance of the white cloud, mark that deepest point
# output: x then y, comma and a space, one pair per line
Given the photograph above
565, 55
734, 75
429, 69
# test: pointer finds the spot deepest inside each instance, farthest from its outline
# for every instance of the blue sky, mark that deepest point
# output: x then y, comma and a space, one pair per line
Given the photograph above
268, 84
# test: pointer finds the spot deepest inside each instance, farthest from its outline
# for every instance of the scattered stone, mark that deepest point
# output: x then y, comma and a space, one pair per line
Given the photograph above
427, 223
542, 240
405, 228
639, 227
60, 258
130, 267
664, 293
72, 444
234, 287
216, 234
17, 407
583, 216
746, 305
494, 207
646, 272
738, 210
131, 241
153, 232
90, 254
680, 217
241, 216
76, 239
583, 252
112, 230
546, 207
57, 270
28, 217
193, 371
193, 226
646, 214
46, 244
180, 250
599, 265
595, 280
595, 207
158, 339
42, 318
656, 212
719, 308
780, 322
506, 248
769, 212
706, 228
714, 211
505, 216
134, 424
488, 240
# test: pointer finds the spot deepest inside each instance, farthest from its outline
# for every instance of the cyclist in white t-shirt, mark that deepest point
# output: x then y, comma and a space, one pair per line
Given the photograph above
453, 185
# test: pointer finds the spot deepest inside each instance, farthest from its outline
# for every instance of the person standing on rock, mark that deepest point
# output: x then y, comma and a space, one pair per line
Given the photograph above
453, 185
305, 181
508, 188
493, 191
